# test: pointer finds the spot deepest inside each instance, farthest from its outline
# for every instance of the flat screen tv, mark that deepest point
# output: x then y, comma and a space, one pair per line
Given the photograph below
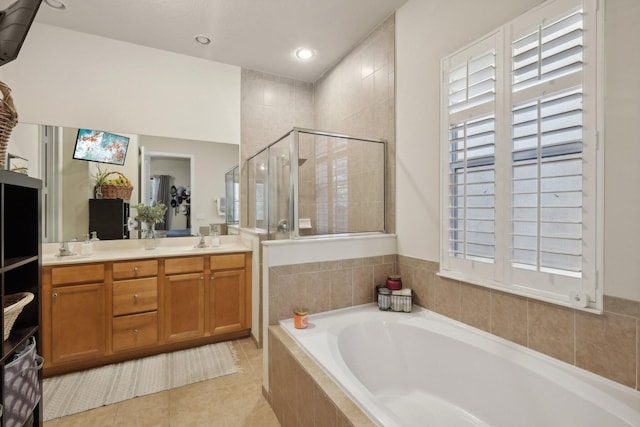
100, 146
16, 18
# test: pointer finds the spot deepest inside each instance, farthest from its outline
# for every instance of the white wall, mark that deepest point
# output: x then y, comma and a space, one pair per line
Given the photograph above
426, 31
73, 79
23, 142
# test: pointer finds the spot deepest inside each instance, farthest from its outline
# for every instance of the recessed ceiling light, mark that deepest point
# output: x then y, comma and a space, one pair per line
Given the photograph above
304, 53
56, 4
202, 39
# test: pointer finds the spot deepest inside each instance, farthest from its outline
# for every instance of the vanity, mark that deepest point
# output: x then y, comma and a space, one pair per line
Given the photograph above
124, 302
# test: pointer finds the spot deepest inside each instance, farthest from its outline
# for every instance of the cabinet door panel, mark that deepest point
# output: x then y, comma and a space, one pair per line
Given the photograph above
227, 301
134, 331
135, 296
184, 306
78, 317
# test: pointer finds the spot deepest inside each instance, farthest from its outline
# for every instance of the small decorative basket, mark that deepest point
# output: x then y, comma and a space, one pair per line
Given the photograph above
13, 305
8, 120
113, 191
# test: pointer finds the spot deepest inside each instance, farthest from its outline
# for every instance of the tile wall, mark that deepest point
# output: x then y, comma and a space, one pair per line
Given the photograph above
301, 393
323, 286
606, 344
357, 97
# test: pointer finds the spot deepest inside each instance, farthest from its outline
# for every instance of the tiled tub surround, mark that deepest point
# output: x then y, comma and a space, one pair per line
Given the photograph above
323, 286
302, 394
429, 369
606, 344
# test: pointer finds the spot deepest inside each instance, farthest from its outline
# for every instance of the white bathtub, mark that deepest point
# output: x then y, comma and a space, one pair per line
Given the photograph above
423, 369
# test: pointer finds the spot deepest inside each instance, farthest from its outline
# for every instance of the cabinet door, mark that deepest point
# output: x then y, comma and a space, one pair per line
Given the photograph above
227, 301
184, 306
78, 316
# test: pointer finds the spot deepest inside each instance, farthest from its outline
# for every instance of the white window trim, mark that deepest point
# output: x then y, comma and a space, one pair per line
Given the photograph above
498, 276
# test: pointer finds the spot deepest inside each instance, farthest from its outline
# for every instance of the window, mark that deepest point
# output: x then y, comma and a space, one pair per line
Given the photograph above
520, 130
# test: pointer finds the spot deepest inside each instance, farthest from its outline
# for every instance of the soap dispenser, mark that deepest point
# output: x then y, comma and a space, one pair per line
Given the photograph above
86, 248
215, 241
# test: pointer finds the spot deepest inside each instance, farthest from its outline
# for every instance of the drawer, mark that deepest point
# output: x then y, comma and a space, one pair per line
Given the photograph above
223, 262
135, 296
85, 273
136, 330
134, 269
183, 265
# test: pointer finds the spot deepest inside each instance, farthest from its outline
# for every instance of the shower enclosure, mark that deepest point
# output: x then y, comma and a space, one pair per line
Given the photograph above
334, 185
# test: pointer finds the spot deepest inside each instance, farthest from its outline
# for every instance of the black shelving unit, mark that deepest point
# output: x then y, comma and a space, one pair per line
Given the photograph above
20, 263
109, 218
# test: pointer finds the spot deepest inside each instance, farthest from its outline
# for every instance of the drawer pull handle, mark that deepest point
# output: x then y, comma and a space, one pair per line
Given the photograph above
213, 277
135, 269
201, 277
135, 296
54, 295
135, 332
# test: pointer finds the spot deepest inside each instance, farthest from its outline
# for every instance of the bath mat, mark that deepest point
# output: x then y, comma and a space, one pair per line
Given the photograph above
79, 391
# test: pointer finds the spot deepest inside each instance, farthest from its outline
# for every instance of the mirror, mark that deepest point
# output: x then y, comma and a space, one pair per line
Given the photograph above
199, 166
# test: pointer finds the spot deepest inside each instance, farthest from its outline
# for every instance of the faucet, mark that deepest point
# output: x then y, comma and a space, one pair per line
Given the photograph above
283, 226
201, 243
64, 249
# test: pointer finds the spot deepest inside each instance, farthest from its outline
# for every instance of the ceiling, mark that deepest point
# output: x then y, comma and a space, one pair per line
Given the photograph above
261, 35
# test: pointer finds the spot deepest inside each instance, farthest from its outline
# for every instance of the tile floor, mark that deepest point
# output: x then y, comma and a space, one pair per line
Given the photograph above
229, 401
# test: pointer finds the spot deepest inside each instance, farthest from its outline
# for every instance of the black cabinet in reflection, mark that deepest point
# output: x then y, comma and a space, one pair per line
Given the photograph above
108, 217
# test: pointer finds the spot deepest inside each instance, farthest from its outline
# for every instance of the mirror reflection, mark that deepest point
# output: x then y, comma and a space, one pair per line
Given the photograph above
187, 175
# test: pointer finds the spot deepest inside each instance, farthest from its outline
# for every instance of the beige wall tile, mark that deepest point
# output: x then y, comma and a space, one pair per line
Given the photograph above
447, 297
509, 317
324, 412
551, 330
363, 286
606, 345
475, 306
341, 289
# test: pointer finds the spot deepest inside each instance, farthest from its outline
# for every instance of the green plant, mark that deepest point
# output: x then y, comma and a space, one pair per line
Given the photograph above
151, 214
100, 176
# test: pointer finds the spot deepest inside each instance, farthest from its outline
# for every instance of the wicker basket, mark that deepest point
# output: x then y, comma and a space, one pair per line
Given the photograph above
110, 191
8, 120
13, 305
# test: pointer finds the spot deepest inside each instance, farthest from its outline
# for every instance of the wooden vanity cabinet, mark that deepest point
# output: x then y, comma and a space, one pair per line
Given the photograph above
107, 312
75, 304
227, 295
184, 287
135, 304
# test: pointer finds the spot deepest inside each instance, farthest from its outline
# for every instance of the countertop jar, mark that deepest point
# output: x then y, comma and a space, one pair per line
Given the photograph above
300, 318
384, 298
394, 282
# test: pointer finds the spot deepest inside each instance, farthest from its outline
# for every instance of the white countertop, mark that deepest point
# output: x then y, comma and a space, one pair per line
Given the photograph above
119, 250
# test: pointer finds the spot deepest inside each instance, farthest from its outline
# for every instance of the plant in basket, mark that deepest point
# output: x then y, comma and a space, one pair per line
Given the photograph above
108, 187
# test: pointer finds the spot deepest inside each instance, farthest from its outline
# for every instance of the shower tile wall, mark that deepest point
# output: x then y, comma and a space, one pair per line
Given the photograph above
270, 106
357, 97
607, 344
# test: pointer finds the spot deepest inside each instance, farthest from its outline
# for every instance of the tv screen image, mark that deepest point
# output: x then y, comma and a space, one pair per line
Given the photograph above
100, 146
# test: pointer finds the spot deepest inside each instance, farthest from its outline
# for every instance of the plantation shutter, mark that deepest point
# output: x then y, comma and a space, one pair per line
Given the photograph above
470, 81
520, 208
552, 244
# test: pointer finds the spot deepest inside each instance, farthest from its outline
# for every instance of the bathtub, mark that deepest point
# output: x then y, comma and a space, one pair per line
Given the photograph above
423, 369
